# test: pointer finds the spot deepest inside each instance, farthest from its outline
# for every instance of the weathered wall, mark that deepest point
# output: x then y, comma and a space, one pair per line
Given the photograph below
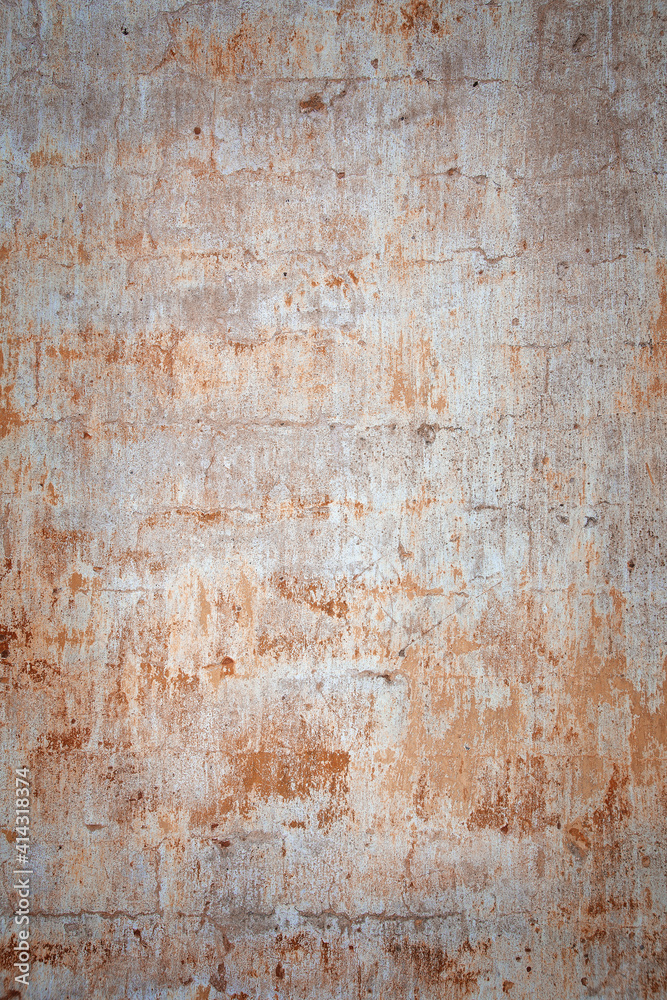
334, 340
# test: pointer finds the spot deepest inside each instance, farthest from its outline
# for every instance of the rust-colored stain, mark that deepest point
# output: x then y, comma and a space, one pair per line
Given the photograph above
646, 378
333, 374
293, 774
313, 103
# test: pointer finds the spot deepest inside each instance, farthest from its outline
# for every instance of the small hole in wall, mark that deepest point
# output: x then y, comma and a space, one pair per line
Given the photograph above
197, 130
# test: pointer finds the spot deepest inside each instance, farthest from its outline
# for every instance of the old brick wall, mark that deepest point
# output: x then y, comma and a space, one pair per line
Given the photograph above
334, 341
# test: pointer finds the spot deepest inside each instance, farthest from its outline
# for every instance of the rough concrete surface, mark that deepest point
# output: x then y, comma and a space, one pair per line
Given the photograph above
334, 343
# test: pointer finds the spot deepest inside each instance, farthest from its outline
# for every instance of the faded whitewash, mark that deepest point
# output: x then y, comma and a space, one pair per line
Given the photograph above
334, 343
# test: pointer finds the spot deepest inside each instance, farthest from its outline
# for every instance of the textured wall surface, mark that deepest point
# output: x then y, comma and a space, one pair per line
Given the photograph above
334, 372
